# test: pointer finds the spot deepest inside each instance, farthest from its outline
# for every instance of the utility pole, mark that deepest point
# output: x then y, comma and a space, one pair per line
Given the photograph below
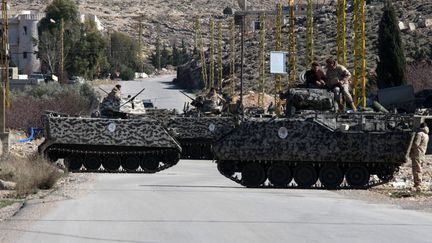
140, 48
62, 78
212, 62
292, 52
4, 93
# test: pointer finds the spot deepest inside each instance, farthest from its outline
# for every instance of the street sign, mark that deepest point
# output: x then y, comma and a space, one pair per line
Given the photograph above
278, 62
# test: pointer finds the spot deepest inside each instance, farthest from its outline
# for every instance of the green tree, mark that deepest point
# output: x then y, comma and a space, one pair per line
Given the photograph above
175, 57
184, 57
50, 31
126, 73
89, 57
124, 50
392, 63
156, 57
165, 57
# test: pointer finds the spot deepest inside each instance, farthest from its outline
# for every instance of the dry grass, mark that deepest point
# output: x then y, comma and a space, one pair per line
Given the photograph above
30, 174
5, 203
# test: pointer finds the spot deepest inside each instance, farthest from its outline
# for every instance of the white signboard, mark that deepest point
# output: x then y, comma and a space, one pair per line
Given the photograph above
278, 62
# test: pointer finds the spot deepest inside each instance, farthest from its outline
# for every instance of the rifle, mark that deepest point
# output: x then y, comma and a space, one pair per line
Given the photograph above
103, 90
131, 99
187, 95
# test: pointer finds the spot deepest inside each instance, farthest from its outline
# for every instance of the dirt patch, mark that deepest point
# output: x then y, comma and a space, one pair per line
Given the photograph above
399, 191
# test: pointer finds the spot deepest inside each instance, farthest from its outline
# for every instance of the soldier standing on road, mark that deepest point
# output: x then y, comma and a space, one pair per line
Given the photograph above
338, 80
417, 154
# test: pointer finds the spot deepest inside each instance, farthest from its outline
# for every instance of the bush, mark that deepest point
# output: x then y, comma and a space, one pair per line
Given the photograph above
28, 106
30, 174
148, 68
126, 73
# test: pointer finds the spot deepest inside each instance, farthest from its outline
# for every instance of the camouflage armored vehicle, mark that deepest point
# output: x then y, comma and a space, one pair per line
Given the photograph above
309, 99
304, 148
106, 144
196, 134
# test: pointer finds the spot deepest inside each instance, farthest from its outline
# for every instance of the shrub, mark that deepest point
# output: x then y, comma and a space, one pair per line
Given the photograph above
30, 174
27, 106
126, 73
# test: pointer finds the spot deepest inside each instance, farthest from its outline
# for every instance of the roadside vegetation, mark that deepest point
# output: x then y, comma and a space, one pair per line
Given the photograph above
29, 174
92, 54
27, 106
5, 203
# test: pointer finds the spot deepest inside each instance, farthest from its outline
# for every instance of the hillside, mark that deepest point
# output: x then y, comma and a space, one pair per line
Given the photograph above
174, 21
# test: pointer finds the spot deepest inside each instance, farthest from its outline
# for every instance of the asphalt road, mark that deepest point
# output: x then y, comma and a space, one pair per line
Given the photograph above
160, 90
192, 202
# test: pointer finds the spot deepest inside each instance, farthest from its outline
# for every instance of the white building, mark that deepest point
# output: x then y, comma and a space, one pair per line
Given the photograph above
91, 17
23, 29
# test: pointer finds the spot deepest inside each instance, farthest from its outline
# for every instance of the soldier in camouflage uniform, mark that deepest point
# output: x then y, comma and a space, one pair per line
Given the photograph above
111, 103
338, 80
213, 102
417, 154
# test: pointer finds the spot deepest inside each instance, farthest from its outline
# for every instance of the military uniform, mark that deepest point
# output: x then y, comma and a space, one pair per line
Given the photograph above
338, 80
213, 102
111, 103
417, 154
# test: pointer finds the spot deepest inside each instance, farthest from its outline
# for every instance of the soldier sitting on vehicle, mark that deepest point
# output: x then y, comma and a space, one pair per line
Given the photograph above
111, 103
315, 77
338, 81
213, 102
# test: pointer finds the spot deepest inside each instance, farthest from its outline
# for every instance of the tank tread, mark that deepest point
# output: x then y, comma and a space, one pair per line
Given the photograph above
162, 165
344, 186
373, 182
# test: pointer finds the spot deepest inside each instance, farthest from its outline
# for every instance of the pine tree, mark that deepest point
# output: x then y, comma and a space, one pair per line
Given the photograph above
175, 56
157, 57
184, 55
392, 63
165, 57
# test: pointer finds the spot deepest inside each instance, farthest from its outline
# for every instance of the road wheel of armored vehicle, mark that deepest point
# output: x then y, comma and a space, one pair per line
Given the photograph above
73, 162
150, 163
279, 175
305, 175
385, 173
172, 157
226, 168
253, 175
130, 162
111, 163
331, 176
52, 156
357, 176
92, 162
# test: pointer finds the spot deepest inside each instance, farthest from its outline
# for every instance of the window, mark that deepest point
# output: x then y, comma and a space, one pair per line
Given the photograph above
25, 30
24, 55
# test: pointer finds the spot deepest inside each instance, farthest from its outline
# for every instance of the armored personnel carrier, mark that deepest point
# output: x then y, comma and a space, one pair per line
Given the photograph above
196, 134
304, 148
110, 145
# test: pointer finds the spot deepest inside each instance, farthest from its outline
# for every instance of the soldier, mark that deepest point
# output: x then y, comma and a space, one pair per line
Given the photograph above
315, 77
111, 103
214, 101
417, 154
115, 94
338, 80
